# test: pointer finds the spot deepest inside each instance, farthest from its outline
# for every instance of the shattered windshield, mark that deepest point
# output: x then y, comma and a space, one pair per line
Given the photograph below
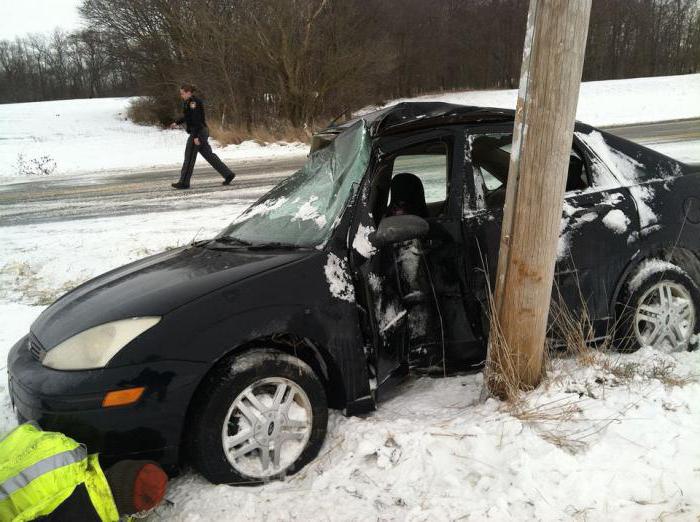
302, 210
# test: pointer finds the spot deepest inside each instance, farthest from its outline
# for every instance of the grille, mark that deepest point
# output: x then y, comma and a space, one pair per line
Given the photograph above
35, 348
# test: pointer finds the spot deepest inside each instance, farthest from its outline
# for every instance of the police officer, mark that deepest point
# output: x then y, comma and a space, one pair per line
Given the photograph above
50, 477
196, 125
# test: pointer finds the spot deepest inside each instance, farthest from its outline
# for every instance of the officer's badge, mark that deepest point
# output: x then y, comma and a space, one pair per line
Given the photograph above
193, 105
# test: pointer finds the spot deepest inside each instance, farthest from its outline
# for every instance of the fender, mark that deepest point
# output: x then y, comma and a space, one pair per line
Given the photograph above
656, 249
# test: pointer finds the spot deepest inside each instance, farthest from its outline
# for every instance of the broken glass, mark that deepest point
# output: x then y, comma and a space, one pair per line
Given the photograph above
302, 210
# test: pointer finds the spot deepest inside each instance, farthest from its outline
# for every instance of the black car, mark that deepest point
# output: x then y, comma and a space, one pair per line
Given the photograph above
370, 261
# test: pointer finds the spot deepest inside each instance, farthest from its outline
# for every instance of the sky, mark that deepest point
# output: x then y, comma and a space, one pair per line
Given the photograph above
20, 17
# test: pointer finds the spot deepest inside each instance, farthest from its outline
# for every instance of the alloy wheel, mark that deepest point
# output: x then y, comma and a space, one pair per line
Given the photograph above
267, 427
665, 315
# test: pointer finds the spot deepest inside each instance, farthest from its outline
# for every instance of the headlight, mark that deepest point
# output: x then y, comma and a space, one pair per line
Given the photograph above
94, 348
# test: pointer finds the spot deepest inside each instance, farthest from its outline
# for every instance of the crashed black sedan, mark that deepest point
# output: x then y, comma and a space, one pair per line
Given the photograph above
369, 262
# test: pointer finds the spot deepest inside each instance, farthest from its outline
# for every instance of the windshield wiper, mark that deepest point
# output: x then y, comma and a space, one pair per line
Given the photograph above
273, 245
230, 241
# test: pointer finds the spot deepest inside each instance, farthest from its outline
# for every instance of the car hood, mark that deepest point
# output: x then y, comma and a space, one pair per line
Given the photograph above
152, 287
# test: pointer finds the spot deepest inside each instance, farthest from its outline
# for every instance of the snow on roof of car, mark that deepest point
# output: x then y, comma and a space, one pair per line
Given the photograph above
413, 115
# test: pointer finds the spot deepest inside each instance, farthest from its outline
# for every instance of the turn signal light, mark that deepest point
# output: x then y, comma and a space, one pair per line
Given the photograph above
122, 397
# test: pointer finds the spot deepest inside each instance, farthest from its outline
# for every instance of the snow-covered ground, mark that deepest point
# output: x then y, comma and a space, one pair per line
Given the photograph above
685, 151
605, 103
615, 439
92, 135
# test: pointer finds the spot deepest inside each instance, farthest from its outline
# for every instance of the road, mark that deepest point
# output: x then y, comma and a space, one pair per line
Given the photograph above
104, 195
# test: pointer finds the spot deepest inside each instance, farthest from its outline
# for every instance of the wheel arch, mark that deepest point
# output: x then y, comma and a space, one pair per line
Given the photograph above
680, 255
312, 353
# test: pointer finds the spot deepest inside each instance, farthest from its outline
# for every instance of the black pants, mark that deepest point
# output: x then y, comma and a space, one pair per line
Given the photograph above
204, 149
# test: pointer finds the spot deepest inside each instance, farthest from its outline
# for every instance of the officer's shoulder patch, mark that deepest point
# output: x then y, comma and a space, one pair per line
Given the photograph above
193, 105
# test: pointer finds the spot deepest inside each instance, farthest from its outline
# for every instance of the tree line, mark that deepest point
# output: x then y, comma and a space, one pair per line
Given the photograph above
299, 62
62, 65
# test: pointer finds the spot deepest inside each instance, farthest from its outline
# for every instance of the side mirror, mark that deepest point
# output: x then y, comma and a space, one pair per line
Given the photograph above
396, 229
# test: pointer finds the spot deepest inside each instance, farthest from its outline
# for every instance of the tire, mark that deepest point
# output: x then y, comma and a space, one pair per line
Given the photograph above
262, 373
653, 285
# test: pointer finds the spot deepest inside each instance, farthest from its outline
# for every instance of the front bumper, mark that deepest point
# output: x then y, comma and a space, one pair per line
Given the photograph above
71, 402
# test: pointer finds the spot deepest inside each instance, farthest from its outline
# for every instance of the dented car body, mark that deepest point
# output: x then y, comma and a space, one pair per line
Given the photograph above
334, 269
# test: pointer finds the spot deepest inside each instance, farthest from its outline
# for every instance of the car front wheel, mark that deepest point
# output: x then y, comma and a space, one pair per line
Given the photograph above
259, 416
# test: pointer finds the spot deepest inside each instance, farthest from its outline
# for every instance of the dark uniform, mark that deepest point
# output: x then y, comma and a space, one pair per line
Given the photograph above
193, 118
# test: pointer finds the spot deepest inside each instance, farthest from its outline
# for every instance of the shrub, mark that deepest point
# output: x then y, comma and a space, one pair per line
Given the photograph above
39, 166
148, 110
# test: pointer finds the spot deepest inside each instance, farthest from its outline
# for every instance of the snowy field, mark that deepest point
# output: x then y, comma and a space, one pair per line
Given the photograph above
605, 103
91, 136
88, 136
611, 438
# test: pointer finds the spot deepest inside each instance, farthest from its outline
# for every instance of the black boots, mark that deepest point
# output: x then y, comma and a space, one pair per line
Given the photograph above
228, 179
179, 185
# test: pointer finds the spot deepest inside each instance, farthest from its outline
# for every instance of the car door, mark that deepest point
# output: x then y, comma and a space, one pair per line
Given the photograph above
412, 292
599, 226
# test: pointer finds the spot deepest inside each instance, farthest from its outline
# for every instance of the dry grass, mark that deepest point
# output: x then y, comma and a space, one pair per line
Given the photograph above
506, 372
21, 279
562, 422
233, 135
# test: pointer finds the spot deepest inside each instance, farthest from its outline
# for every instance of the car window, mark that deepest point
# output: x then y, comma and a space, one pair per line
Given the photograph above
430, 168
490, 155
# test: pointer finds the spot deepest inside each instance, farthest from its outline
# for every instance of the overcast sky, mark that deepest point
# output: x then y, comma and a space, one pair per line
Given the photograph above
20, 17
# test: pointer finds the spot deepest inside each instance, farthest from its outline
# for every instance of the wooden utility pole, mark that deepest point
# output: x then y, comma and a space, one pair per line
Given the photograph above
555, 42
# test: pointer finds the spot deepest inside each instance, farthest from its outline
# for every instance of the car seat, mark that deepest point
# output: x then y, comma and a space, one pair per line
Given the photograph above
407, 196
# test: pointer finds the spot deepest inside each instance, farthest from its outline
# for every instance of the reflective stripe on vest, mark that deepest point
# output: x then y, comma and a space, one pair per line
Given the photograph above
24, 477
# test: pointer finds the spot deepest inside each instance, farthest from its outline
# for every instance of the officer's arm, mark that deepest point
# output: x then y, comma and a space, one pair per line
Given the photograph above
198, 119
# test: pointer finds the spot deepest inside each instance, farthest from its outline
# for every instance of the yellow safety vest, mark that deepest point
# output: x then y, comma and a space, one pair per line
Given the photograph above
40, 469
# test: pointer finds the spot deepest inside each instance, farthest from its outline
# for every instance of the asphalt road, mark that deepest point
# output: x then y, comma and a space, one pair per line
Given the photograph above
85, 196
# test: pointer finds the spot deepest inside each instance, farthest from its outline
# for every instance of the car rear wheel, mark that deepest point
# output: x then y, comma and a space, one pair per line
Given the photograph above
259, 416
659, 308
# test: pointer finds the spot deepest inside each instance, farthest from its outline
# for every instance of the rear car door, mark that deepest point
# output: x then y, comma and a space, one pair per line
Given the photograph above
599, 226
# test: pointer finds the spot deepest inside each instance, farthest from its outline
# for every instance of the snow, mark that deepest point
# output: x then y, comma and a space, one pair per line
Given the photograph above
41, 261
628, 172
649, 267
16, 319
685, 151
339, 282
617, 221
642, 195
603, 103
437, 450
361, 242
563, 246
308, 211
92, 135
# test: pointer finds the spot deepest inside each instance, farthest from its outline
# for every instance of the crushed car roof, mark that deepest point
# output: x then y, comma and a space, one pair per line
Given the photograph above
414, 115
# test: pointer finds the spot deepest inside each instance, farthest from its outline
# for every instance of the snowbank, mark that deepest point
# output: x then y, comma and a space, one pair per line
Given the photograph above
92, 135
437, 451
605, 103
